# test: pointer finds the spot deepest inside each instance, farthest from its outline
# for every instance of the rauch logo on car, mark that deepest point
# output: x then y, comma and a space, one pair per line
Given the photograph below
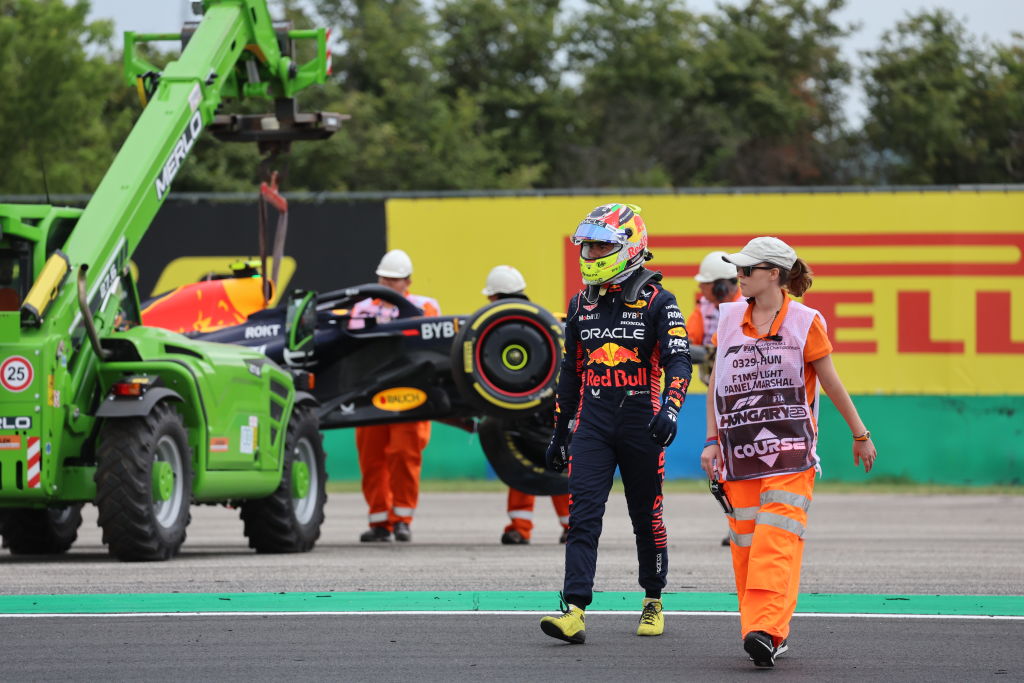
399, 399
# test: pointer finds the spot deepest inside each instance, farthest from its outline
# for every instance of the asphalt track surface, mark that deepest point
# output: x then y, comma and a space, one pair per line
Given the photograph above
873, 563
500, 648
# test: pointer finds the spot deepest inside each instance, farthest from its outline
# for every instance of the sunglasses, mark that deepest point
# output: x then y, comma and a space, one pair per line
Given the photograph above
746, 271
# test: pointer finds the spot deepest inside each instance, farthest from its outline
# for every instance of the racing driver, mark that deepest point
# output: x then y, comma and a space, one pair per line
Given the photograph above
623, 331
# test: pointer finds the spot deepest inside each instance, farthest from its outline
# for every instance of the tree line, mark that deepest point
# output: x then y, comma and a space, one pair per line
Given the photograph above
521, 94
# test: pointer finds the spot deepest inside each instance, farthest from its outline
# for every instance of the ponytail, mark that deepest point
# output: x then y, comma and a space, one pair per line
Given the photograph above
797, 279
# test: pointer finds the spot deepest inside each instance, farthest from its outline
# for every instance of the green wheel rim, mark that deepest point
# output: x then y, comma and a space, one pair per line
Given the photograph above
514, 357
163, 481
300, 479
306, 484
168, 482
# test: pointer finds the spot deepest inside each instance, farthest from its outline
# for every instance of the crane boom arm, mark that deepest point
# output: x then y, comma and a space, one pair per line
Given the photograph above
235, 50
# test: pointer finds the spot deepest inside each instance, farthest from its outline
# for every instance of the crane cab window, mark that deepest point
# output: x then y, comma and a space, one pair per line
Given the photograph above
14, 276
128, 314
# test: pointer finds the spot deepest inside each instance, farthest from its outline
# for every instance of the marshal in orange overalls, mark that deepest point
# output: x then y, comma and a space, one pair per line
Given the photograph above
390, 459
766, 407
391, 455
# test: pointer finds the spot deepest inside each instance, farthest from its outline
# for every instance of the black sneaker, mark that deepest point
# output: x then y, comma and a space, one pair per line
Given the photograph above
402, 532
514, 538
780, 649
761, 649
376, 534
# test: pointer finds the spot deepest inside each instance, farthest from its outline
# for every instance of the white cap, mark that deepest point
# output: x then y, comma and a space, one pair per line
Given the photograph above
764, 250
504, 280
714, 268
396, 263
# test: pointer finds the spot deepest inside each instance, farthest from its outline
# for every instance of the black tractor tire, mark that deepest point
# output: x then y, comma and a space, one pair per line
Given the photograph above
43, 531
515, 449
282, 522
505, 358
138, 527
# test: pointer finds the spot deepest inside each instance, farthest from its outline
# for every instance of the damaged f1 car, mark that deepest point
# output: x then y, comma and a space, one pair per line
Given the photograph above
493, 372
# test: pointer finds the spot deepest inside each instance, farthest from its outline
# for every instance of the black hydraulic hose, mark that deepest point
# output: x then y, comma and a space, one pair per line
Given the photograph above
90, 326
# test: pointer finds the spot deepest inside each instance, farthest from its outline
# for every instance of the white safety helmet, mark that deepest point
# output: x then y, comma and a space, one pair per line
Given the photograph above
714, 268
396, 263
504, 280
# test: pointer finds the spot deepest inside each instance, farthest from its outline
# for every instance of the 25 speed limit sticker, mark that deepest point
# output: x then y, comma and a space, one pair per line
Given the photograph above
16, 373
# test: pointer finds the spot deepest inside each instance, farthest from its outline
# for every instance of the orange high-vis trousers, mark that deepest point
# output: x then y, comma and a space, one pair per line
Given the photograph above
390, 459
520, 511
766, 531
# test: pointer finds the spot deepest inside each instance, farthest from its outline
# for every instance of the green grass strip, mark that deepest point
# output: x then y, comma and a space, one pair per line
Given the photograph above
526, 601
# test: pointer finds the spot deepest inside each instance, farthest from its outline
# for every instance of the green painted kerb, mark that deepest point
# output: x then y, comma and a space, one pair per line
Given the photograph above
474, 601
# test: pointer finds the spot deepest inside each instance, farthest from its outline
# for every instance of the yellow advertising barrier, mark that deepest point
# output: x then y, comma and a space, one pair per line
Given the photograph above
923, 292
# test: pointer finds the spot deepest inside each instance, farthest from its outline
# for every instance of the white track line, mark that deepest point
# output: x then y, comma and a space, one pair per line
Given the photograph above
505, 613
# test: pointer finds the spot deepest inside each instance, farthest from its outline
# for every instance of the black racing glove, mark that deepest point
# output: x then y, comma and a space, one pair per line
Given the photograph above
557, 455
664, 424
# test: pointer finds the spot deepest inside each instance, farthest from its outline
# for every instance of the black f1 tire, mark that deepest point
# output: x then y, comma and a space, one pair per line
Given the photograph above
43, 531
515, 449
505, 358
285, 522
138, 525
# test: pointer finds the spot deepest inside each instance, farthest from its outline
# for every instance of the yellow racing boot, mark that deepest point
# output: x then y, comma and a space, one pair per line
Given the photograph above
568, 627
652, 619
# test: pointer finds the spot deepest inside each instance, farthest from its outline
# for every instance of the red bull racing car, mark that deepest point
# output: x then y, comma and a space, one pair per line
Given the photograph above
493, 371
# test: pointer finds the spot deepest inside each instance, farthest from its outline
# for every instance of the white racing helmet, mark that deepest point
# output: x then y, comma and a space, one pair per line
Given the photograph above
396, 263
714, 268
504, 280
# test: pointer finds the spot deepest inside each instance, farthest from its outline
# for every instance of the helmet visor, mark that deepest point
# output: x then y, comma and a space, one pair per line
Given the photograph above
597, 232
594, 250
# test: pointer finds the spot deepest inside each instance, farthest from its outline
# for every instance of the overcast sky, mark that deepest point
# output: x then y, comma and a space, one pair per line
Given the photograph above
992, 19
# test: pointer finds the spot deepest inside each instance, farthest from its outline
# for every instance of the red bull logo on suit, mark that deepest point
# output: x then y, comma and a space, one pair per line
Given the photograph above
612, 354
635, 377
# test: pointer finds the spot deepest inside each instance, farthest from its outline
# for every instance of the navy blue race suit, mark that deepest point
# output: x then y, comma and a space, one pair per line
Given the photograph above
610, 382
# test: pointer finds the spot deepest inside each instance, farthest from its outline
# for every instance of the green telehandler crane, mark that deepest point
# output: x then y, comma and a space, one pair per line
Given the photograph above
140, 421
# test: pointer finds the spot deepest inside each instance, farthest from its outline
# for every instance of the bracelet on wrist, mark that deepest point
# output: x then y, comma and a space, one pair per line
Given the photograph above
862, 437
711, 442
